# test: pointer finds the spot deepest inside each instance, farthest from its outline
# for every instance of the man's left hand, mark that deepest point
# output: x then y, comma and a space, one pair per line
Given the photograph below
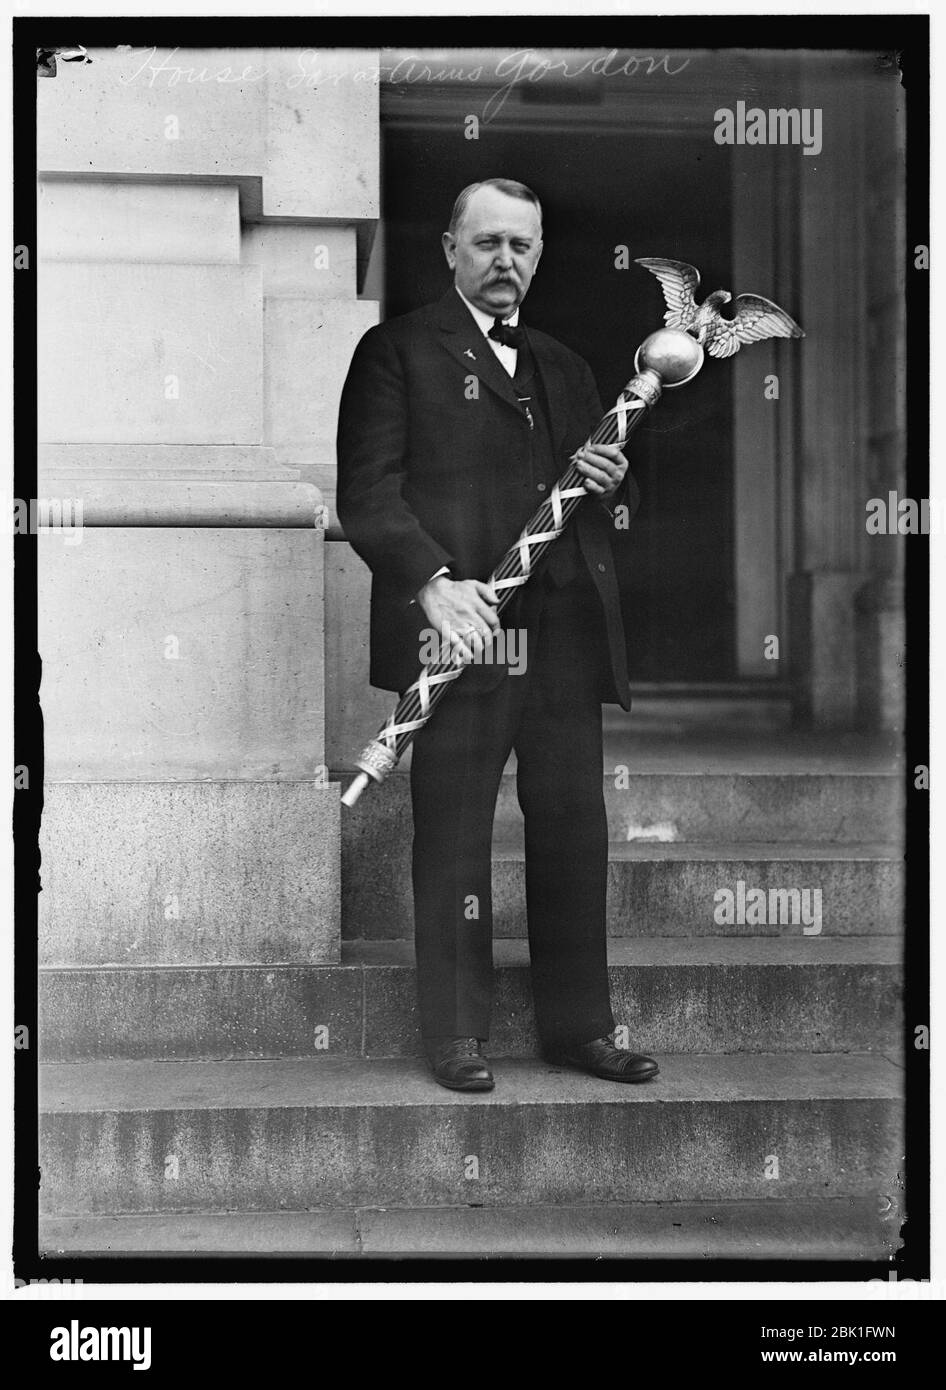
603, 466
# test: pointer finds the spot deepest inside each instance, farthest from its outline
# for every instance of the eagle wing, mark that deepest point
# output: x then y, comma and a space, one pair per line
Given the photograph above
756, 318
679, 283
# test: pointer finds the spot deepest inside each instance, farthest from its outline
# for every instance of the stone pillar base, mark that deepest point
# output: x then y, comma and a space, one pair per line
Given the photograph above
190, 873
188, 815
881, 655
823, 647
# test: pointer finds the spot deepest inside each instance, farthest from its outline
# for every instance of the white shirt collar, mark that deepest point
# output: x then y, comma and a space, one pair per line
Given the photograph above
485, 321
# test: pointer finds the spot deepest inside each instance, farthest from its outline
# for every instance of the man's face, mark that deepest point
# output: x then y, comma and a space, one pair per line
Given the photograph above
495, 251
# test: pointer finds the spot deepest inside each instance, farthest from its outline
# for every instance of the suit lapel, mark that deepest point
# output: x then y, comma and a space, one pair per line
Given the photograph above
459, 334
553, 381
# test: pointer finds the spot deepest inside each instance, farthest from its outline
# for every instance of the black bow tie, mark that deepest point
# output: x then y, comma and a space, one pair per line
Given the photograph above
507, 335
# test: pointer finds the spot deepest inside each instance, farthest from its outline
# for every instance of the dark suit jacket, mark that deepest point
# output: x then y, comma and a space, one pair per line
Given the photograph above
429, 477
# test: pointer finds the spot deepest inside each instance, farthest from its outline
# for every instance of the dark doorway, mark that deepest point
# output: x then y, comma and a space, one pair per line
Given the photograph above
602, 189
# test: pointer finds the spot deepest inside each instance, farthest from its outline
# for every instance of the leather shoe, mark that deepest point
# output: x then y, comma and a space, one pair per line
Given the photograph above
459, 1065
601, 1058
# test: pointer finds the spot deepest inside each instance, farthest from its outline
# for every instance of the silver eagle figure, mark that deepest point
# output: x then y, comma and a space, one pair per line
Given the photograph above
756, 317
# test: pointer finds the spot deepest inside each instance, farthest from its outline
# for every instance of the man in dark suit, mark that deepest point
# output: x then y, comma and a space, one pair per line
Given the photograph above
455, 422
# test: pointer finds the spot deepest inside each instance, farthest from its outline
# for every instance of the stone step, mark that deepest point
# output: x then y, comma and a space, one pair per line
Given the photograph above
694, 804
708, 994
837, 1228
658, 889
712, 807
152, 1137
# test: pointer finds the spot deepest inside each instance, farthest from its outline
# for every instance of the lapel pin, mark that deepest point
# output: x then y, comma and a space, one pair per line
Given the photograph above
470, 354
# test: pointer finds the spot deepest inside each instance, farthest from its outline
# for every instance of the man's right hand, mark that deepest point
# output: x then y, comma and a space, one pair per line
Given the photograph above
463, 611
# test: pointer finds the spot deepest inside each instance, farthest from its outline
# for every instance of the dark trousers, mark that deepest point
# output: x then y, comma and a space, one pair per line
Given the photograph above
551, 716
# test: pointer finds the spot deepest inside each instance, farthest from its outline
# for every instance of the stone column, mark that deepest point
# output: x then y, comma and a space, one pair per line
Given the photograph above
880, 603
204, 218
848, 261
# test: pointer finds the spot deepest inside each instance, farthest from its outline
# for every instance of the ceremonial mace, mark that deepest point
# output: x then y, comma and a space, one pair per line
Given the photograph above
670, 357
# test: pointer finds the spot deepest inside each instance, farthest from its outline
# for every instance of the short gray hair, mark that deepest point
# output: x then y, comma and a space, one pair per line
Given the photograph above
510, 187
